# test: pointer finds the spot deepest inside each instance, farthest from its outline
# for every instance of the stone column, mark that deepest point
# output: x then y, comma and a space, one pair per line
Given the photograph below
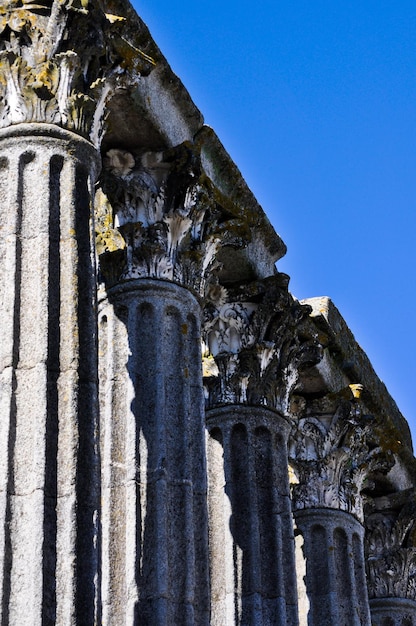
251, 535
335, 573
155, 553
333, 449
157, 253
49, 493
252, 359
60, 63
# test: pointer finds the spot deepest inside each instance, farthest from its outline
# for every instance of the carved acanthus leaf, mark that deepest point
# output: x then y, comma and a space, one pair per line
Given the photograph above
391, 552
169, 216
333, 450
59, 63
257, 345
393, 576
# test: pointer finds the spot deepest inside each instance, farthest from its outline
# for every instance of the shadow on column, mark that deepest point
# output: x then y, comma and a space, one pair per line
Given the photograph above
260, 528
164, 369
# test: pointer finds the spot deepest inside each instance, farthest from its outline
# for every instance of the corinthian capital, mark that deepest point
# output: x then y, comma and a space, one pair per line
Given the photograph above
60, 61
171, 219
255, 345
390, 549
333, 450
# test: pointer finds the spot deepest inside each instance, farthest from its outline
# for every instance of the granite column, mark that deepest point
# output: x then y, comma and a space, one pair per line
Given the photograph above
48, 436
153, 456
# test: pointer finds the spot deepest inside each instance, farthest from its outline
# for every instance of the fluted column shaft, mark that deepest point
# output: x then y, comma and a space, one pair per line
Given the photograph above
48, 465
335, 571
251, 531
155, 540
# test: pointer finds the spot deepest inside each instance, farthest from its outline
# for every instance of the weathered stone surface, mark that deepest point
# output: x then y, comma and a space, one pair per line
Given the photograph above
251, 530
104, 512
350, 359
256, 344
335, 571
391, 557
154, 517
334, 450
49, 478
393, 612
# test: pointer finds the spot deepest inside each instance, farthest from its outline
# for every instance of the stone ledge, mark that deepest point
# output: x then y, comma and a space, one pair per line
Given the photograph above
348, 357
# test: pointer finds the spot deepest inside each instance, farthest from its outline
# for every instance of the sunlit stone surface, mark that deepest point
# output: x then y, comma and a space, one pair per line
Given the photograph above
181, 440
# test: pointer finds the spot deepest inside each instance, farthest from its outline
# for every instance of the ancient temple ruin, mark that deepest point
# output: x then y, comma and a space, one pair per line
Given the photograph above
181, 441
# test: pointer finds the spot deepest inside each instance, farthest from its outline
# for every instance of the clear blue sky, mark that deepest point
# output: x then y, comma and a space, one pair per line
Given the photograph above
316, 104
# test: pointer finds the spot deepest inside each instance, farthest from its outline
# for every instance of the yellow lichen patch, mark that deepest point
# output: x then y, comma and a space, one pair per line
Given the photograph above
357, 391
209, 366
293, 479
47, 76
114, 18
108, 239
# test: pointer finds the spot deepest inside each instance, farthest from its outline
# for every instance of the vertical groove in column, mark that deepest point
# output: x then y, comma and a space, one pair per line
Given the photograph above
271, 549
254, 599
67, 398
77, 568
87, 485
240, 523
265, 498
9, 221
159, 469
53, 368
357, 615
286, 564
342, 579
360, 581
318, 573
105, 393
190, 478
197, 469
